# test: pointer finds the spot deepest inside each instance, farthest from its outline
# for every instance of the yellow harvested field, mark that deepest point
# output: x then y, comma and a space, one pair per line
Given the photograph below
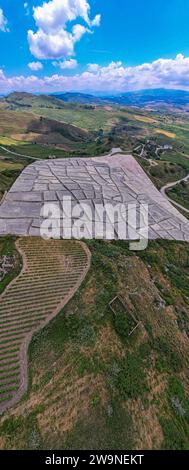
29, 137
166, 133
144, 119
8, 141
10, 166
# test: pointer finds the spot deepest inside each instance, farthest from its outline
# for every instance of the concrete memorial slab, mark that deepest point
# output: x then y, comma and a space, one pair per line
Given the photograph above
113, 179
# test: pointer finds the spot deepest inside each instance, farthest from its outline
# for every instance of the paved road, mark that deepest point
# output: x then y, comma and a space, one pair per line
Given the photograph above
172, 185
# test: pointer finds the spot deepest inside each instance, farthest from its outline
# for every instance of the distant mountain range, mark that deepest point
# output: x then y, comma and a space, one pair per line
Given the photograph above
157, 99
142, 98
147, 97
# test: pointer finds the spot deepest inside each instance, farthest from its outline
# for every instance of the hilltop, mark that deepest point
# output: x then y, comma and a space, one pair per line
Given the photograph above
18, 100
82, 98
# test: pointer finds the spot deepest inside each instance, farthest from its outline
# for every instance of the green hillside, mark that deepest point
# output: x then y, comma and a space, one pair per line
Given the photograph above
27, 100
85, 116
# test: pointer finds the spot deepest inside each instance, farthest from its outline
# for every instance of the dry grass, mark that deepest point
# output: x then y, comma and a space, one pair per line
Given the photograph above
10, 166
146, 119
171, 135
27, 137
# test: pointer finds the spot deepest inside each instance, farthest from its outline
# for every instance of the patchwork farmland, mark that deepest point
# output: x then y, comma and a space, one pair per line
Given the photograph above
52, 272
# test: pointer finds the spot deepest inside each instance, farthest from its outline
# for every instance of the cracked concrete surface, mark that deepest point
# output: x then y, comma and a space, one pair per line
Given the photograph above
116, 178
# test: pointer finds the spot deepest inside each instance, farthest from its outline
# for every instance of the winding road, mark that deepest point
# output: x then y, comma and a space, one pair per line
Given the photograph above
168, 186
18, 154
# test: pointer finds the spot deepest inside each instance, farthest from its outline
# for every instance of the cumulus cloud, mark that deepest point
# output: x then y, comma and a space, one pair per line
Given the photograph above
35, 66
66, 64
3, 22
115, 77
54, 38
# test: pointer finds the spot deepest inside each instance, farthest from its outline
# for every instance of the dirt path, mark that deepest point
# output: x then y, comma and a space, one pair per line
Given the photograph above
29, 292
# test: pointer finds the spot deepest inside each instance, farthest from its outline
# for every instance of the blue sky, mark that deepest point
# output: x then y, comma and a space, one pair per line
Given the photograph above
93, 45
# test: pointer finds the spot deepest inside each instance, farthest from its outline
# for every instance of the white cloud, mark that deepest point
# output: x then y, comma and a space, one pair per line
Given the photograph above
53, 40
66, 64
115, 77
96, 21
26, 8
93, 68
35, 66
78, 31
3, 22
2, 76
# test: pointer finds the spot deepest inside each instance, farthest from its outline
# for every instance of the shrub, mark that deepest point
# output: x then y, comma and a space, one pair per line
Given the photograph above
131, 377
123, 324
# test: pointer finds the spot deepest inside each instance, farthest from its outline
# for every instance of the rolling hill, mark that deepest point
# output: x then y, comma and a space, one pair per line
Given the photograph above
80, 115
21, 100
82, 98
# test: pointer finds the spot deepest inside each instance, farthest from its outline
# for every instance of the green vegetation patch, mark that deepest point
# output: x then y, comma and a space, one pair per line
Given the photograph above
131, 379
180, 194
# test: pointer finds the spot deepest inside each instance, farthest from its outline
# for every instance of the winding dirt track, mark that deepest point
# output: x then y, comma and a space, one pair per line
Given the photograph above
52, 272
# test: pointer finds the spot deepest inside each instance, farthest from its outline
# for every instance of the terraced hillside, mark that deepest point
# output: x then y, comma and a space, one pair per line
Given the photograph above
52, 272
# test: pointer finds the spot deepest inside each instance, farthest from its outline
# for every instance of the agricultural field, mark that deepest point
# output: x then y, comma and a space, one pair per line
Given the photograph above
10, 169
16, 126
93, 386
45, 126
40, 126
82, 116
52, 271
